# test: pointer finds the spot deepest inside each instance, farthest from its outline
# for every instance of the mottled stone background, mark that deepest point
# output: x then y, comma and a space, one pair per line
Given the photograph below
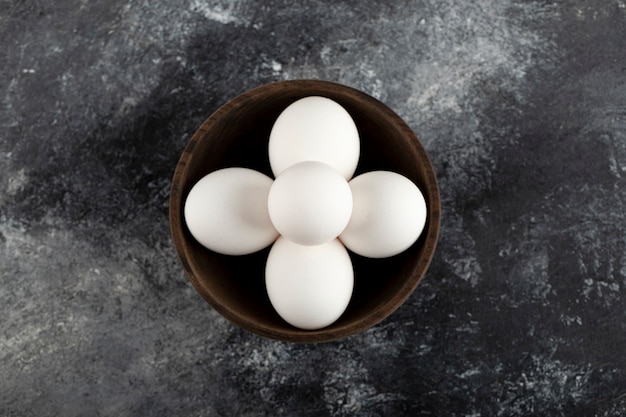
521, 105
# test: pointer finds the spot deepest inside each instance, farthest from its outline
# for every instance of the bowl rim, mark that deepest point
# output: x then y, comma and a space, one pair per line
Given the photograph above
377, 315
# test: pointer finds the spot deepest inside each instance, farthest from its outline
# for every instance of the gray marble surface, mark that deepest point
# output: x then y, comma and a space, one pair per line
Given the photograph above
521, 105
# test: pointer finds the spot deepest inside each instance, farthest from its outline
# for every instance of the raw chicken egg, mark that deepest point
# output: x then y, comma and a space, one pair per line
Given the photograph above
314, 129
388, 215
310, 203
309, 286
226, 211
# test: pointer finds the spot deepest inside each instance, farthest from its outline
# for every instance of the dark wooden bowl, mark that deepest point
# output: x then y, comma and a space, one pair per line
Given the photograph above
237, 134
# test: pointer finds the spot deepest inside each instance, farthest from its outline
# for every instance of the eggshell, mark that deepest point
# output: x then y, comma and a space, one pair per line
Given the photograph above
388, 215
314, 129
310, 203
309, 286
226, 211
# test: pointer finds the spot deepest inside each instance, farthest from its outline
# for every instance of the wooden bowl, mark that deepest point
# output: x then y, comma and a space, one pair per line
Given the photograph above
237, 135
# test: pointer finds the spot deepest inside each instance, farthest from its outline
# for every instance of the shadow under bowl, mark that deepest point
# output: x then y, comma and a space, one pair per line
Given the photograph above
237, 135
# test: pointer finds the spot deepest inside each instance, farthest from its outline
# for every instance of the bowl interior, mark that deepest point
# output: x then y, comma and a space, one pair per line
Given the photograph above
237, 135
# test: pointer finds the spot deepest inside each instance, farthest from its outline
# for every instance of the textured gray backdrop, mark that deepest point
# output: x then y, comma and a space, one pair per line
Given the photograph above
521, 105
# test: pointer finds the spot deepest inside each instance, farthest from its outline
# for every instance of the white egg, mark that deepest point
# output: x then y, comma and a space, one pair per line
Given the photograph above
226, 211
309, 286
314, 129
388, 215
310, 203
